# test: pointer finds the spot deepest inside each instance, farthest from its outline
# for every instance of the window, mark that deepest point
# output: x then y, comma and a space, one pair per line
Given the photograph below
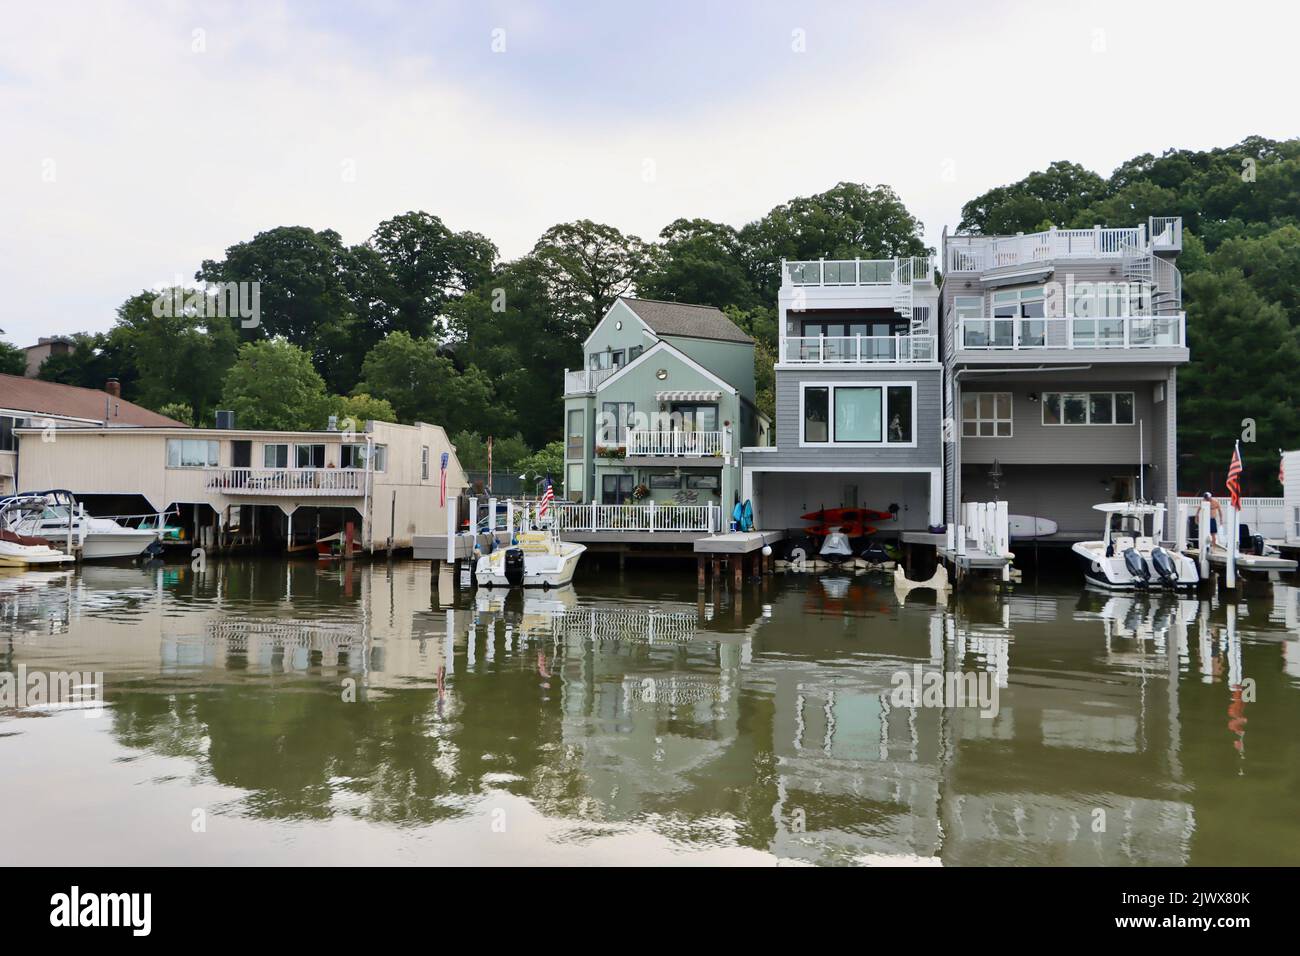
573, 482
968, 306
617, 418
1088, 408
986, 415
859, 414
424, 462
667, 481
354, 456
275, 456
615, 489
634, 351
309, 456
191, 453
8, 440
573, 445
616, 359
695, 418
703, 482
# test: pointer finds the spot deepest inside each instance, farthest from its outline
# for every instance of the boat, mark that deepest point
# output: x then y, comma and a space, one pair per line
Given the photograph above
536, 559
851, 529
62, 519
1029, 526
845, 515
836, 548
18, 550
1129, 555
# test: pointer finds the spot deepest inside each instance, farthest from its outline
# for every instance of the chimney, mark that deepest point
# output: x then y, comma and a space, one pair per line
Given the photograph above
113, 387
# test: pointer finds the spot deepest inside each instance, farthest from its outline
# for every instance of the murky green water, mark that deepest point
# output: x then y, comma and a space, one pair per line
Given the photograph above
260, 712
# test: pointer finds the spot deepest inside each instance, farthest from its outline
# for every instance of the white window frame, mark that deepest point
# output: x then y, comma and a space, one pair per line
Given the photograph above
1010, 420
424, 462
269, 445
324, 454
884, 442
211, 457
1088, 408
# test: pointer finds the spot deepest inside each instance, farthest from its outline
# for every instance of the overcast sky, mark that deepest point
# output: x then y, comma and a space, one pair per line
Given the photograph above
139, 138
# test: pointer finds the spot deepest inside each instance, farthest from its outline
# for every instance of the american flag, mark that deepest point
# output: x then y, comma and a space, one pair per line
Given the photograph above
442, 491
1234, 477
1281, 471
547, 497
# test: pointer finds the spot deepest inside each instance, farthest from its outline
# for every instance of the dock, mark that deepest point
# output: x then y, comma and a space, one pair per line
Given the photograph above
736, 548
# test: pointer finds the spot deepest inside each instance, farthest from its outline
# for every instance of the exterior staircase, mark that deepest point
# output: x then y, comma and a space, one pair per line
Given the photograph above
1160, 281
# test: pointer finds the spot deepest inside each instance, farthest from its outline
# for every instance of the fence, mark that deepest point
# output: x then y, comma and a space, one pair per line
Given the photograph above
649, 518
1266, 516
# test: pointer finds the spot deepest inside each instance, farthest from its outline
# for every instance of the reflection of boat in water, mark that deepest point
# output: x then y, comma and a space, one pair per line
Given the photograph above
1147, 619
539, 560
1129, 556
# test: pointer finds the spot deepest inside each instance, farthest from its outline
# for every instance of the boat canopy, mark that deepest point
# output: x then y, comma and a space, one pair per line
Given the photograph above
1129, 508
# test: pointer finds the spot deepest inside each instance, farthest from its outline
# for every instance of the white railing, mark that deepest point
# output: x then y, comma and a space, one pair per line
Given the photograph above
849, 272
584, 381
977, 253
1129, 332
286, 481
649, 518
1166, 232
857, 349
1266, 516
678, 443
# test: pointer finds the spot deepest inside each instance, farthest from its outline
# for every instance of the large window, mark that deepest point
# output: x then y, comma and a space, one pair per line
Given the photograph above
354, 456
694, 417
986, 415
573, 482
574, 440
191, 453
616, 418
1088, 408
616, 489
858, 414
309, 456
275, 456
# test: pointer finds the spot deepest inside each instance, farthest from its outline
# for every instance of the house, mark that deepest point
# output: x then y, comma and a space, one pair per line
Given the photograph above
230, 485
31, 402
662, 408
859, 382
43, 349
1061, 351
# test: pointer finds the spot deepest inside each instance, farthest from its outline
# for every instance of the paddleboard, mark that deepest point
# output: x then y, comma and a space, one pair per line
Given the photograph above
1030, 526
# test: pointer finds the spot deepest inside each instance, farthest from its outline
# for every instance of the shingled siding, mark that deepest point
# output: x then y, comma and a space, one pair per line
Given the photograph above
926, 428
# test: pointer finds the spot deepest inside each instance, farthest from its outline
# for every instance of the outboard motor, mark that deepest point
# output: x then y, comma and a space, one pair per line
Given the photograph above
515, 566
1137, 567
1165, 567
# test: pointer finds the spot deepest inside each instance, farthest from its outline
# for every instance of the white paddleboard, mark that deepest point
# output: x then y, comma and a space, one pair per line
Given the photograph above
1029, 526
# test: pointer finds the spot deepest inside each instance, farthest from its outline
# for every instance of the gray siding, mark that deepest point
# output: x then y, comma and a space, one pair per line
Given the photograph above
927, 426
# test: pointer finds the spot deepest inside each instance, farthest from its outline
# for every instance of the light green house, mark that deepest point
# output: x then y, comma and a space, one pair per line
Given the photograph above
662, 408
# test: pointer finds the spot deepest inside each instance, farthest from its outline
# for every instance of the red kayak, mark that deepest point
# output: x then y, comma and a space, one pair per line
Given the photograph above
846, 515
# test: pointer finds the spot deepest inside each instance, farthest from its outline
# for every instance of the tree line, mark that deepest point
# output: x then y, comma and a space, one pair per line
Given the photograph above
420, 322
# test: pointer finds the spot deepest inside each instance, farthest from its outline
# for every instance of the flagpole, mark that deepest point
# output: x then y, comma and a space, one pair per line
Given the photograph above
1231, 580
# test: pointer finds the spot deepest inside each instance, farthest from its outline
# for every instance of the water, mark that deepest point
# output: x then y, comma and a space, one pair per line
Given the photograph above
263, 712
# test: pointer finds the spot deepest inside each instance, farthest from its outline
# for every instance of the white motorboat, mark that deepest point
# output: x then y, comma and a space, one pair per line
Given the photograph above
19, 550
98, 539
1129, 555
539, 559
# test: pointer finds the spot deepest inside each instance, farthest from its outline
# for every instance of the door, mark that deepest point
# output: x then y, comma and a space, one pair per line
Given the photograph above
241, 454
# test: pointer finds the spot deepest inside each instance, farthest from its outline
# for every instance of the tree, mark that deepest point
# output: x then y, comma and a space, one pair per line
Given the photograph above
362, 408
471, 451
546, 462
92, 361
273, 385
13, 360
422, 385
701, 262
587, 266
1053, 196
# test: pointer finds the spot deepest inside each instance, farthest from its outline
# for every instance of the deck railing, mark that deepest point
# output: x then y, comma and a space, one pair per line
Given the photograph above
584, 381
1128, 332
339, 482
978, 253
850, 272
678, 443
649, 518
857, 349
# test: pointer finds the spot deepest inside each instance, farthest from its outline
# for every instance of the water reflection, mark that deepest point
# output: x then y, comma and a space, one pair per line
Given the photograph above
293, 698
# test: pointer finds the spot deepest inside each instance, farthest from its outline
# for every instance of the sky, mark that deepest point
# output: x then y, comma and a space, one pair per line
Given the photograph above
139, 138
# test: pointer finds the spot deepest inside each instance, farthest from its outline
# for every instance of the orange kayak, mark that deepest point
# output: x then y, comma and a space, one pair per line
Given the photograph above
845, 515
853, 529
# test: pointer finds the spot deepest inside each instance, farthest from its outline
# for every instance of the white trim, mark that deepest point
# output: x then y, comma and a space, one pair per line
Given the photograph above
995, 421
935, 472
661, 344
1042, 400
617, 302
857, 366
830, 442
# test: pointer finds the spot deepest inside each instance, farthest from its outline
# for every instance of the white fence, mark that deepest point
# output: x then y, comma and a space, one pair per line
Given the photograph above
857, 349
340, 482
977, 253
584, 381
842, 272
1266, 516
649, 518
1119, 332
678, 443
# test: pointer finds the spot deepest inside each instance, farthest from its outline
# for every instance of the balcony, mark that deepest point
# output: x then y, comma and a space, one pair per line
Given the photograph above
584, 381
678, 444
858, 349
649, 518
1024, 334
289, 482
858, 272
981, 253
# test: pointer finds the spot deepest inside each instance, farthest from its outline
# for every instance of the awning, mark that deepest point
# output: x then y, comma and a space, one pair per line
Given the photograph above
1019, 277
687, 395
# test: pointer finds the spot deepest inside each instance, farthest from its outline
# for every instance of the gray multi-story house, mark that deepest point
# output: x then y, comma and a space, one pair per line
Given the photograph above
859, 395
1061, 351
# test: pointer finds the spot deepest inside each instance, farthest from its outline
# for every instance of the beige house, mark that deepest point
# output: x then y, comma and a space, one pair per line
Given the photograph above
225, 487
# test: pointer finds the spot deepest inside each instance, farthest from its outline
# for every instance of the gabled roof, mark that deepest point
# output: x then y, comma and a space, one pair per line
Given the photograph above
69, 401
660, 347
682, 318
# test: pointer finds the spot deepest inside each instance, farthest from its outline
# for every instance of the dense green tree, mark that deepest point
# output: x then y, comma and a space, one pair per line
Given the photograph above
92, 361
699, 261
472, 451
546, 462
587, 266
13, 360
274, 385
362, 408
1051, 196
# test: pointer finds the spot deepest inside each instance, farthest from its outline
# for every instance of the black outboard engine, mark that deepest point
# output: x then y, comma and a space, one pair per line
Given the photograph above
1137, 567
1165, 567
515, 566
1248, 543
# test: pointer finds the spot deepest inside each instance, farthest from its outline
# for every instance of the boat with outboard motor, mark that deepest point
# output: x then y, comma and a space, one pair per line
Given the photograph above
1129, 555
63, 519
19, 550
534, 558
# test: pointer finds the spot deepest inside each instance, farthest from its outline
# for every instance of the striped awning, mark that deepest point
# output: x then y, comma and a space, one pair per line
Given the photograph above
688, 395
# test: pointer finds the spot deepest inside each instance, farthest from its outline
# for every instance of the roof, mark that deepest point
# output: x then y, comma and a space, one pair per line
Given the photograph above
69, 401
682, 318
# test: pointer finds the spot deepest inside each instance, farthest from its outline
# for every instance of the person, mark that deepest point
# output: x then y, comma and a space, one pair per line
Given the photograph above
1216, 515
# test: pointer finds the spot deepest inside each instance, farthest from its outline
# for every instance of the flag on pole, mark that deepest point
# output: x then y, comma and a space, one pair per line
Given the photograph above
442, 482
1281, 472
1234, 476
547, 497
489, 481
